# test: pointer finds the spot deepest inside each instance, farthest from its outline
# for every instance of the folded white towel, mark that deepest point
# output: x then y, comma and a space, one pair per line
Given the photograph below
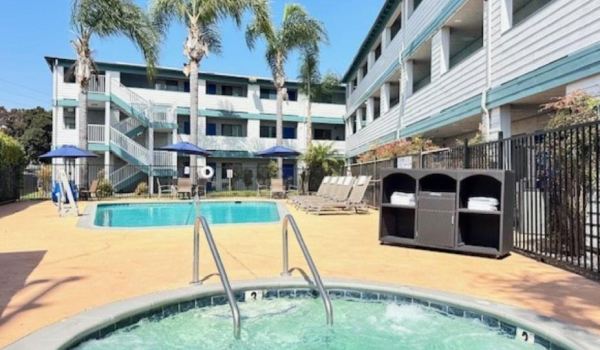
484, 200
483, 207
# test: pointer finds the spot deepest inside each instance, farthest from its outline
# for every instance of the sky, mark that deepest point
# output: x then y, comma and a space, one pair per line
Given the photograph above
32, 29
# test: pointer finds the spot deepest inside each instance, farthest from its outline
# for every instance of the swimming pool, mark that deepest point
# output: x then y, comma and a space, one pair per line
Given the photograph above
183, 214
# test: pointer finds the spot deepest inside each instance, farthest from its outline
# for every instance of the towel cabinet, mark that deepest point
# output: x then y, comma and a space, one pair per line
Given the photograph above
440, 217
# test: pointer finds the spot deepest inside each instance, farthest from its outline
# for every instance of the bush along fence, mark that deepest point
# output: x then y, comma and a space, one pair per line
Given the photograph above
557, 209
12, 159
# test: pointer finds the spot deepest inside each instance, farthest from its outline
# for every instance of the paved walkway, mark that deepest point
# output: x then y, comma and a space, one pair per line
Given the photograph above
49, 269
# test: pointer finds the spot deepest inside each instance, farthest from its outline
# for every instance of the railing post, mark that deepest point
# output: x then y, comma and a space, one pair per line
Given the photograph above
500, 150
196, 266
286, 262
466, 156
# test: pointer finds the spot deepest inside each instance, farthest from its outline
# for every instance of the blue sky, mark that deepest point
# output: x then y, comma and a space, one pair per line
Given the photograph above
32, 29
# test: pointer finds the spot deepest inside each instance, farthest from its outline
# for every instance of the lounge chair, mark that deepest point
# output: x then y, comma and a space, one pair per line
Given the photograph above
184, 186
320, 192
91, 193
339, 195
165, 189
328, 193
277, 187
354, 201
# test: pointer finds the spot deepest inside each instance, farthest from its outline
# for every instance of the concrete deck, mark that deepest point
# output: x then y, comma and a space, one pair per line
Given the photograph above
50, 269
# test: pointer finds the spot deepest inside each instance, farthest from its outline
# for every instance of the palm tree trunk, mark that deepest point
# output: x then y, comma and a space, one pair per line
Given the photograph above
309, 135
83, 134
193, 117
279, 129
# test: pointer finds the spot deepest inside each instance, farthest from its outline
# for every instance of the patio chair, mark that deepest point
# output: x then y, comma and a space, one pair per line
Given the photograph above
277, 188
201, 188
340, 193
329, 192
260, 187
354, 201
184, 187
91, 193
165, 189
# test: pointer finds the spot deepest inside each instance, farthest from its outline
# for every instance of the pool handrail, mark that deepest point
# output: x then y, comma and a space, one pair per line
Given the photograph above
289, 220
235, 311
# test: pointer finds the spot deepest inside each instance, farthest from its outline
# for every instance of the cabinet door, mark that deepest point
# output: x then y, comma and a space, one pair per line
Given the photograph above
436, 228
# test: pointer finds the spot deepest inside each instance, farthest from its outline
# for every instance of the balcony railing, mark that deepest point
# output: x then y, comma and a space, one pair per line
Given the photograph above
163, 158
96, 133
97, 83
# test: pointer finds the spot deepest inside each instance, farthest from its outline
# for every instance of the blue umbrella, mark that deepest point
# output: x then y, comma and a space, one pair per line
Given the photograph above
277, 152
69, 152
186, 148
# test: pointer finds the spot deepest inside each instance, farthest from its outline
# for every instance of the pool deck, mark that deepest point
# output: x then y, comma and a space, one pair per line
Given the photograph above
50, 269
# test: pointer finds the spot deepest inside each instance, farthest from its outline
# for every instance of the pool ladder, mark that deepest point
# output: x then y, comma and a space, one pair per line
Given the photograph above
288, 220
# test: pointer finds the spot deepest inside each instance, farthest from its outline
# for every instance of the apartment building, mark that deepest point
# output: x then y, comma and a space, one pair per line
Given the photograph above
130, 119
440, 68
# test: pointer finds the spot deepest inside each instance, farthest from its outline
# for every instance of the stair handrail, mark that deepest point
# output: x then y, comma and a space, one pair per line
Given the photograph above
235, 311
136, 101
133, 148
127, 124
289, 220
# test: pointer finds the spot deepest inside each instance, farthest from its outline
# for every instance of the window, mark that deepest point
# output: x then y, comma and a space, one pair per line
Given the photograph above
378, 52
417, 4
268, 94
211, 89
322, 134
69, 75
211, 129
289, 133
231, 130
69, 118
183, 127
365, 69
236, 167
172, 85
354, 83
268, 131
376, 108
186, 86
292, 95
396, 26
227, 90
523, 9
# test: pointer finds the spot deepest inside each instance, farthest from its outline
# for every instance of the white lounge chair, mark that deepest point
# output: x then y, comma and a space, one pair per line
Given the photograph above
354, 201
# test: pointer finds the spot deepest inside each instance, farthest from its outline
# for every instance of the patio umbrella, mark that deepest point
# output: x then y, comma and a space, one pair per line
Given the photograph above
186, 148
278, 152
68, 152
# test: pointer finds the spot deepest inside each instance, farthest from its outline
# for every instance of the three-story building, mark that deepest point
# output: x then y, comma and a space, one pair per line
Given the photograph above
130, 119
442, 68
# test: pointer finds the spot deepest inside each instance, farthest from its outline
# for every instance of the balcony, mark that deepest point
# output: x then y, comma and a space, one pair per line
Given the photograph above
96, 133
97, 84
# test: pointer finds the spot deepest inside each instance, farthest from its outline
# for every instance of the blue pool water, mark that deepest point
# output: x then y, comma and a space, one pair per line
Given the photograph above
182, 214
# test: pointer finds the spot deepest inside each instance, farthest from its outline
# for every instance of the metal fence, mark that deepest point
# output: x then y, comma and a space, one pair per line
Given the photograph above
122, 181
9, 183
557, 209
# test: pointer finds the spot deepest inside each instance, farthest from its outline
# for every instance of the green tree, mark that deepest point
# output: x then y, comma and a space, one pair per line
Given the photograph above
298, 31
313, 85
200, 17
32, 127
321, 160
103, 19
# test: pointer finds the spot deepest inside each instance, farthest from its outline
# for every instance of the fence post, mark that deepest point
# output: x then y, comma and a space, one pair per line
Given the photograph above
466, 156
500, 150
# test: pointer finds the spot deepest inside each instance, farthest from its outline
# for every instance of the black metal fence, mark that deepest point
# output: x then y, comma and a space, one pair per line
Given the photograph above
9, 183
557, 209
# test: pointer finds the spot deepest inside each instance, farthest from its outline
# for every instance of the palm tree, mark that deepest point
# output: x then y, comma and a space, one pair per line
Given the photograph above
106, 18
201, 17
313, 85
298, 31
320, 160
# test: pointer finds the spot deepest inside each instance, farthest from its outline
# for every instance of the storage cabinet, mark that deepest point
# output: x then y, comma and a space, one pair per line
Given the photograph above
441, 217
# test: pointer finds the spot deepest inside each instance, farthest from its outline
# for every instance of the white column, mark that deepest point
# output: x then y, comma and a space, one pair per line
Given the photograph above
385, 98
359, 76
371, 59
386, 38
444, 50
174, 137
370, 110
410, 7
348, 127
253, 128
500, 120
506, 15
201, 126
107, 164
150, 143
359, 119
409, 77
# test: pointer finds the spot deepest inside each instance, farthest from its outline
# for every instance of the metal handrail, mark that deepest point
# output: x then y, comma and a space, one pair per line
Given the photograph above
289, 219
235, 311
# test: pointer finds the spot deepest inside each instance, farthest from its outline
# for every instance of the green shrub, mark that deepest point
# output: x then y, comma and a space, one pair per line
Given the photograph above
105, 189
141, 189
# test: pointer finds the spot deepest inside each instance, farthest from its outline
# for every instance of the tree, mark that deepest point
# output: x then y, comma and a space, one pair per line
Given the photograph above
321, 160
32, 127
200, 17
298, 31
313, 85
106, 18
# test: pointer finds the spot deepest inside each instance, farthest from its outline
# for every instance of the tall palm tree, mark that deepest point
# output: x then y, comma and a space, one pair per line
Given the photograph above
201, 17
106, 18
313, 85
297, 31
320, 160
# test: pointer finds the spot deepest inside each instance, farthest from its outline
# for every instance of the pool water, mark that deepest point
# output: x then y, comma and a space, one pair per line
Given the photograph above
182, 214
292, 324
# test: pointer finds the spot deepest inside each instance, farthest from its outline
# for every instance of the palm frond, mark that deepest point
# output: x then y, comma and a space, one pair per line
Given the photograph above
164, 12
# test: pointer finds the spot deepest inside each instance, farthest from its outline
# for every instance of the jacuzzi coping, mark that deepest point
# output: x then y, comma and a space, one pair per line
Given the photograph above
72, 330
86, 220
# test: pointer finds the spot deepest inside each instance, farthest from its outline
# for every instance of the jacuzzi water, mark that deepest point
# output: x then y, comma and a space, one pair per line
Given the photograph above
291, 324
181, 214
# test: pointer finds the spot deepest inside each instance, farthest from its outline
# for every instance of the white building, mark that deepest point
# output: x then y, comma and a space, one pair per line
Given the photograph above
129, 119
439, 68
